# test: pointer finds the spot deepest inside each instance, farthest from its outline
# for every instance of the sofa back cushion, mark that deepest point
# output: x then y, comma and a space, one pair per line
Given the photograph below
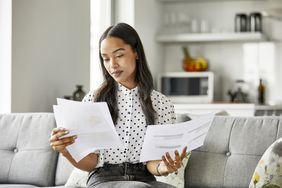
231, 151
25, 154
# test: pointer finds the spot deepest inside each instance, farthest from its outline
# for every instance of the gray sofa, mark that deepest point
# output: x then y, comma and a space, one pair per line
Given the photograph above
26, 158
228, 158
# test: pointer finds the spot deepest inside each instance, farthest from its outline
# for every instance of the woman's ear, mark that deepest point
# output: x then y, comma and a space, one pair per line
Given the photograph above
136, 56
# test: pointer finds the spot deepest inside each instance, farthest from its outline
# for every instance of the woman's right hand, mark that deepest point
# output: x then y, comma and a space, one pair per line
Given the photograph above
59, 144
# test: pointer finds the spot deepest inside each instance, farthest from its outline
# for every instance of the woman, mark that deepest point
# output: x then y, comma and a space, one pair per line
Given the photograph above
128, 91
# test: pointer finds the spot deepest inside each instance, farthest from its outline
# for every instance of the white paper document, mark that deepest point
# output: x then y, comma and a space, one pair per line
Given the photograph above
160, 139
91, 122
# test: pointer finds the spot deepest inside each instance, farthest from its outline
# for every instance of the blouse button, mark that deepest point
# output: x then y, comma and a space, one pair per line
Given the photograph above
16, 150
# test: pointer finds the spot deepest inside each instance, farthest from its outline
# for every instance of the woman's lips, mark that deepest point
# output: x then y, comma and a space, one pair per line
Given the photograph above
116, 73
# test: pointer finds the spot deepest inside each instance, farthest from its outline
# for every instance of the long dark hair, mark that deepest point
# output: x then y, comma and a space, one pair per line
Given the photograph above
108, 91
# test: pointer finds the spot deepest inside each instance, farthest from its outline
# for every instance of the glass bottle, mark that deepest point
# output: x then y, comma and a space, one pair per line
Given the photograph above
78, 94
255, 22
241, 22
261, 92
187, 62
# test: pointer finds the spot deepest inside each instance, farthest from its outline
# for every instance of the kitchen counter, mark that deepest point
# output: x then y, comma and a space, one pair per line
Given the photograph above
234, 109
268, 107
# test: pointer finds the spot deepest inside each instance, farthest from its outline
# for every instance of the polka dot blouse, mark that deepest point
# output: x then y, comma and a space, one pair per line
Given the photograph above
131, 124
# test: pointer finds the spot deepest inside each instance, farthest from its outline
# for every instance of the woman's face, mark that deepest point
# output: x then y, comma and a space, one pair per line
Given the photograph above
120, 61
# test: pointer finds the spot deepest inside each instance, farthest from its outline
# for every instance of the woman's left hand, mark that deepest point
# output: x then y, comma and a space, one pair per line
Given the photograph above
168, 165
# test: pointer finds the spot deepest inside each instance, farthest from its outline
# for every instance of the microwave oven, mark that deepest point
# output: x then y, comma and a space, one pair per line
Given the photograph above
187, 87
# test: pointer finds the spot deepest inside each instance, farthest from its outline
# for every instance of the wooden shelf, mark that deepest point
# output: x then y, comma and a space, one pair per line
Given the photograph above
211, 37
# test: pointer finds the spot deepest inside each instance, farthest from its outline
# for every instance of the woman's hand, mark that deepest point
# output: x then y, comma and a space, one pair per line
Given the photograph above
59, 144
168, 165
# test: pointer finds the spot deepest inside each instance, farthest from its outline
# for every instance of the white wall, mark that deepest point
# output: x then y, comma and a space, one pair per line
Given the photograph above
99, 9
144, 16
50, 51
5, 55
147, 23
124, 11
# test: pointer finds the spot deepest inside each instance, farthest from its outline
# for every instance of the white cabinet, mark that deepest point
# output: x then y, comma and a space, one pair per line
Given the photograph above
194, 110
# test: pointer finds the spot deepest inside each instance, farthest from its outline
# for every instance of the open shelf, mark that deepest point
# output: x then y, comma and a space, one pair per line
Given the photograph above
197, 1
211, 37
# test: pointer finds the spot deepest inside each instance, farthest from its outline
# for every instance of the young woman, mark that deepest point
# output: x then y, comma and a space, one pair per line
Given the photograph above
128, 91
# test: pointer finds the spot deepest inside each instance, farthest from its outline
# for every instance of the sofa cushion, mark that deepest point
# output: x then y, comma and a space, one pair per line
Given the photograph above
25, 153
16, 186
27, 186
268, 172
232, 148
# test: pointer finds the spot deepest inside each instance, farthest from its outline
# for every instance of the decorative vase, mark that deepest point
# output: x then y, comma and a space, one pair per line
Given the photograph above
78, 94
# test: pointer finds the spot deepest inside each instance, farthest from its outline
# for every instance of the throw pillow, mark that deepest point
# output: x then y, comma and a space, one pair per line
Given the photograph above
78, 178
268, 173
176, 180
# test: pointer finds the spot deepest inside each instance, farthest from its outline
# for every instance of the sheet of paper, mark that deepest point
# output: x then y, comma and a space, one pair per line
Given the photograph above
160, 139
91, 122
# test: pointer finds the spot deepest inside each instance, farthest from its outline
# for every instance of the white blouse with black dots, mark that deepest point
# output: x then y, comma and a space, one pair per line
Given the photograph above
131, 125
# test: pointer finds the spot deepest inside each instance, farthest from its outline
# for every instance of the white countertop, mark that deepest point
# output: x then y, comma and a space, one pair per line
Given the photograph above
268, 107
216, 106
234, 109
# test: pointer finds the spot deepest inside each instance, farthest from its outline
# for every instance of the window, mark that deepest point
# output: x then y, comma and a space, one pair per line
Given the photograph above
101, 18
5, 55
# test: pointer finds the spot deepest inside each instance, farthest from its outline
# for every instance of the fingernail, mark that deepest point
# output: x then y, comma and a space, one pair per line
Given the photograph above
75, 137
66, 132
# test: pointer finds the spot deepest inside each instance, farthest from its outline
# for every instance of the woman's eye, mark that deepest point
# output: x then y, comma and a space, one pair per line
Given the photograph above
119, 56
106, 60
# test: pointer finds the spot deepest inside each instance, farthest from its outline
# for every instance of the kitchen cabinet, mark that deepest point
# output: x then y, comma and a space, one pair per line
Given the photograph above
268, 110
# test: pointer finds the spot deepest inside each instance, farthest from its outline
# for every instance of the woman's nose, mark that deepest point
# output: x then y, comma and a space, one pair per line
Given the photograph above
114, 63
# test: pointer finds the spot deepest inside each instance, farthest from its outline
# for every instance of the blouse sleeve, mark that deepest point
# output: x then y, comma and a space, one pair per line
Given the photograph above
165, 113
89, 97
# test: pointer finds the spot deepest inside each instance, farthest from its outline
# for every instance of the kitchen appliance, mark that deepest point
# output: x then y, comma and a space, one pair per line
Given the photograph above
187, 87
